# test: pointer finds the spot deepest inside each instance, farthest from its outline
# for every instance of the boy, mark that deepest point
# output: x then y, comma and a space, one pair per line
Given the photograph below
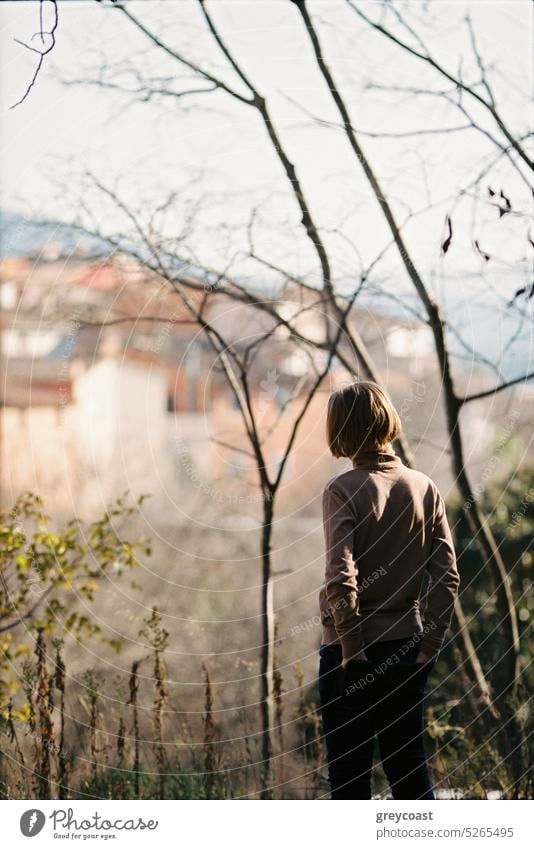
385, 527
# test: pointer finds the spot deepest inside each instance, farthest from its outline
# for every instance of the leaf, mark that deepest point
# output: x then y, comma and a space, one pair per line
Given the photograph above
22, 563
447, 243
506, 201
522, 291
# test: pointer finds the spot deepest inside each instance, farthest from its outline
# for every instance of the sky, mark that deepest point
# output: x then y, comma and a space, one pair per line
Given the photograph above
214, 152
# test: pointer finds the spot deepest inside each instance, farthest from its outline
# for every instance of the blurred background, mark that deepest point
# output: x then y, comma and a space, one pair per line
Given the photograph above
212, 215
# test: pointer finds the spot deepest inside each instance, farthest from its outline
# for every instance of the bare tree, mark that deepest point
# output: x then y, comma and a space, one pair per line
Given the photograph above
454, 403
237, 361
348, 344
485, 99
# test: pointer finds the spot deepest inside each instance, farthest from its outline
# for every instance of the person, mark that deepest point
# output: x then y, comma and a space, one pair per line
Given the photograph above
385, 603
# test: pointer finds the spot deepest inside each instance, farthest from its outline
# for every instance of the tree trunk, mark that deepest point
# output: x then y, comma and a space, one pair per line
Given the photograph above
507, 669
509, 664
267, 645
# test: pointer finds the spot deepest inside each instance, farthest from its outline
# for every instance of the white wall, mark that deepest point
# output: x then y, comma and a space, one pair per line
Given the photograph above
116, 435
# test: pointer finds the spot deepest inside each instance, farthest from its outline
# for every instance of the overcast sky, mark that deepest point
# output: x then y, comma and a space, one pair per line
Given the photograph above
217, 153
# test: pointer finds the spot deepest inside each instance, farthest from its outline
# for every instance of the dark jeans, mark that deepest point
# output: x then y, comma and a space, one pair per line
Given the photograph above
382, 696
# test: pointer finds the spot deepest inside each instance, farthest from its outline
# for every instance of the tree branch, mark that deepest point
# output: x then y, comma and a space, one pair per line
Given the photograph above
43, 51
489, 105
477, 395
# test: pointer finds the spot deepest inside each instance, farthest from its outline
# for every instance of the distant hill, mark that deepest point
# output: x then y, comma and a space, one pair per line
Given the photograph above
488, 327
23, 237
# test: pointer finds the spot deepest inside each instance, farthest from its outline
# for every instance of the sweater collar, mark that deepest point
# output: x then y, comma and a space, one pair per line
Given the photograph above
371, 458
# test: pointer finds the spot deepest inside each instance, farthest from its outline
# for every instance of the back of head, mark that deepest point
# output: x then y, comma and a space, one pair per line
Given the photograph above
360, 417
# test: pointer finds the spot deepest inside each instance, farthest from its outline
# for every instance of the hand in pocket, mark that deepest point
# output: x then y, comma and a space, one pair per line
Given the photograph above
423, 658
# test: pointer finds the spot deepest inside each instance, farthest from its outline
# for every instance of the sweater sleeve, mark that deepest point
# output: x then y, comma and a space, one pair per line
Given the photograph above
444, 581
340, 585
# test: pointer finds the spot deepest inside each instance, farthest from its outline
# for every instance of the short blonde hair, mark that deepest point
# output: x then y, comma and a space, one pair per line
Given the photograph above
360, 416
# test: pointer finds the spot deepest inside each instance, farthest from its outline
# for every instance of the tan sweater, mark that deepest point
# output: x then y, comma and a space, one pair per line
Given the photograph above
385, 526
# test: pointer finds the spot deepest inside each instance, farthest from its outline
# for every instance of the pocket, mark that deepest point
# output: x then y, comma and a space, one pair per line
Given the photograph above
358, 673
359, 667
355, 662
416, 666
